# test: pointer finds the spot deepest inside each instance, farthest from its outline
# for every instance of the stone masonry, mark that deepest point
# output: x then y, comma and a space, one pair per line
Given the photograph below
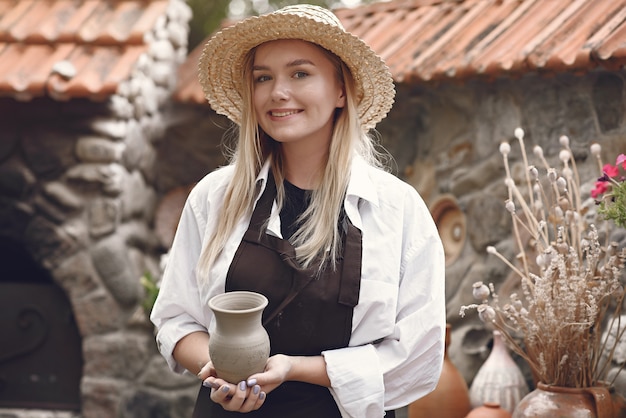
78, 191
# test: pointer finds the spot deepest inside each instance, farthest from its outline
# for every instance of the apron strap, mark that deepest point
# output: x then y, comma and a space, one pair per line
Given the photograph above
351, 269
264, 206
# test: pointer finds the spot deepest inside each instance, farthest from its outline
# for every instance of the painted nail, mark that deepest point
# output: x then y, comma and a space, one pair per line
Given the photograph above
225, 389
262, 396
251, 382
256, 389
242, 385
207, 384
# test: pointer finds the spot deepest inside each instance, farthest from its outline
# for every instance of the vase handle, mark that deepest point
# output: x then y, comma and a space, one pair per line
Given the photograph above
603, 400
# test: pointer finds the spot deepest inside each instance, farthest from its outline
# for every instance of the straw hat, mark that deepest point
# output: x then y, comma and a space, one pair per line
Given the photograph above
221, 62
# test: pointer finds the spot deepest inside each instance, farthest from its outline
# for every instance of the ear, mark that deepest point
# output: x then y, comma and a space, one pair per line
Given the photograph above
341, 100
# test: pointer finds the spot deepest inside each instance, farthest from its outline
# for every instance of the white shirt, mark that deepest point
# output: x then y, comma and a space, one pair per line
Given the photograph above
401, 298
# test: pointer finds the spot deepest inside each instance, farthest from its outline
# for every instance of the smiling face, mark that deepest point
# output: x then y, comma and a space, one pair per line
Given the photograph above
296, 90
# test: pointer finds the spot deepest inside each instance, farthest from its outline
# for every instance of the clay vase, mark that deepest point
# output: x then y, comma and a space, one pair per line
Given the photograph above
450, 398
489, 410
551, 401
239, 346
499, 380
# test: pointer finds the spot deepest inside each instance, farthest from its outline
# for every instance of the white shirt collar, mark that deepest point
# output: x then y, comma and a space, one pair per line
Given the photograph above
360, 187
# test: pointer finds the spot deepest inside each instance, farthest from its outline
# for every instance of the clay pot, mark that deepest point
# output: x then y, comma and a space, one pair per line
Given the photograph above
499, 380
451, 224
489, 410
239, 346
450, 398
550, 401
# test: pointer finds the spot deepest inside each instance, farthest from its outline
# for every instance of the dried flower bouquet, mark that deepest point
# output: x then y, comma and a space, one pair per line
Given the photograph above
569, 282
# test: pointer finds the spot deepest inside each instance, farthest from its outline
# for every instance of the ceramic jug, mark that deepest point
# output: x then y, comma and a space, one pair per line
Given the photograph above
239, 346
499, 379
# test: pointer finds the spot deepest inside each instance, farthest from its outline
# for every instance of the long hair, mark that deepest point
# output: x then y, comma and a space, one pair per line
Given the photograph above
318, 239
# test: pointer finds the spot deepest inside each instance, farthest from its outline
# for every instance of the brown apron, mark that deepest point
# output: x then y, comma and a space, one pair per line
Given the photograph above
306, 314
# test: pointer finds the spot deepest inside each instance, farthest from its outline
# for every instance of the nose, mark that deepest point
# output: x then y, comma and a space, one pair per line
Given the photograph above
280, 90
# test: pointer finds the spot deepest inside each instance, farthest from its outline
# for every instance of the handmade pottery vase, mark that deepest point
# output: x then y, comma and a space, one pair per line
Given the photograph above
450, 398
557, 401
489, 410
499, 380
239, 346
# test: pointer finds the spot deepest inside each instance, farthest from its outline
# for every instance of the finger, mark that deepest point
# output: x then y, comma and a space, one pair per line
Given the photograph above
222, 394
251, 400
240, 396
257, 397
214, 382
259, 402
236, 397
206, 371
210, 382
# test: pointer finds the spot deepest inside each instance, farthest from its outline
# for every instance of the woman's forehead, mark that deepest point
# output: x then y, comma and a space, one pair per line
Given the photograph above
290, 50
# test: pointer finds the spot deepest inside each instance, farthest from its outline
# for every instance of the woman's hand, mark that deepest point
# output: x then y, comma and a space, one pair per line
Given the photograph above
242, 397
239, 398
277, 370
249, 395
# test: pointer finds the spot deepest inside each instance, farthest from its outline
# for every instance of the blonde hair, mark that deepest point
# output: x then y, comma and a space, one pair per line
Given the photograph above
318, 239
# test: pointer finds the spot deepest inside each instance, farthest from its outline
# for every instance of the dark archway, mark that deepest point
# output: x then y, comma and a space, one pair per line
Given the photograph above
40, 346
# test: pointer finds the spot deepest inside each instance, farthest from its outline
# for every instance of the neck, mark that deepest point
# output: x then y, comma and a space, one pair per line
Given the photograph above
303, 168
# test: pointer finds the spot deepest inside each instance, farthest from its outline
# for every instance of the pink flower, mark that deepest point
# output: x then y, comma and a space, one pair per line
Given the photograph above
600, 189
621, 159
610, 170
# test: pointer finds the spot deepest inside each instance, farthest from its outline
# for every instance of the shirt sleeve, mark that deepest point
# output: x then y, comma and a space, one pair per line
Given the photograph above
366, 380
178, 310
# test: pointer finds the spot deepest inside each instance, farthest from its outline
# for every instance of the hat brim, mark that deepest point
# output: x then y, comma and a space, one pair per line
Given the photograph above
220, 67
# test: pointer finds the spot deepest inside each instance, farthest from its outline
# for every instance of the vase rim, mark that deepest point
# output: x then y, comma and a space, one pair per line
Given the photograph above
251, 301
556, 388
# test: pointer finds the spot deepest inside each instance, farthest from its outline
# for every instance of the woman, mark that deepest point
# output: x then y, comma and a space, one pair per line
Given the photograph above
303, 200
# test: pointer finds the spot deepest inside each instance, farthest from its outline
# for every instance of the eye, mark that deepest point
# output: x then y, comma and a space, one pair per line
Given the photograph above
300, 74
261, 78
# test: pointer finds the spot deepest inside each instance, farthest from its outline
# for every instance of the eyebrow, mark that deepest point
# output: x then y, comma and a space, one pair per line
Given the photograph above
294, 63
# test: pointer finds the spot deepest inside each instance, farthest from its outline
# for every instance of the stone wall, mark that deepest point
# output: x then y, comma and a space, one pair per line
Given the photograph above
445, 141
78, 191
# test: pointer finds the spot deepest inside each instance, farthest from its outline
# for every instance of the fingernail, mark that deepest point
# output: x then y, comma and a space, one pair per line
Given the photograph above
262, 395
225, 389
251, 382
242, 385
256, 389
206, 384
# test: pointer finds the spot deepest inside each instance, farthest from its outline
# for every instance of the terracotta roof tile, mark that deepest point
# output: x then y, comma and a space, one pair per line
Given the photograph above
433, 40
100, 39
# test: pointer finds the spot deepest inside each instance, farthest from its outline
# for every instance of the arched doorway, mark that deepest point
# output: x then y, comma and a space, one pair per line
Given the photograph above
40, 346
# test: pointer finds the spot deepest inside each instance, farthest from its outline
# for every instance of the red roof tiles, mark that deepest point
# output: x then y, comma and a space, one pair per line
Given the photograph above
71, 48
85, 48
432, 40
